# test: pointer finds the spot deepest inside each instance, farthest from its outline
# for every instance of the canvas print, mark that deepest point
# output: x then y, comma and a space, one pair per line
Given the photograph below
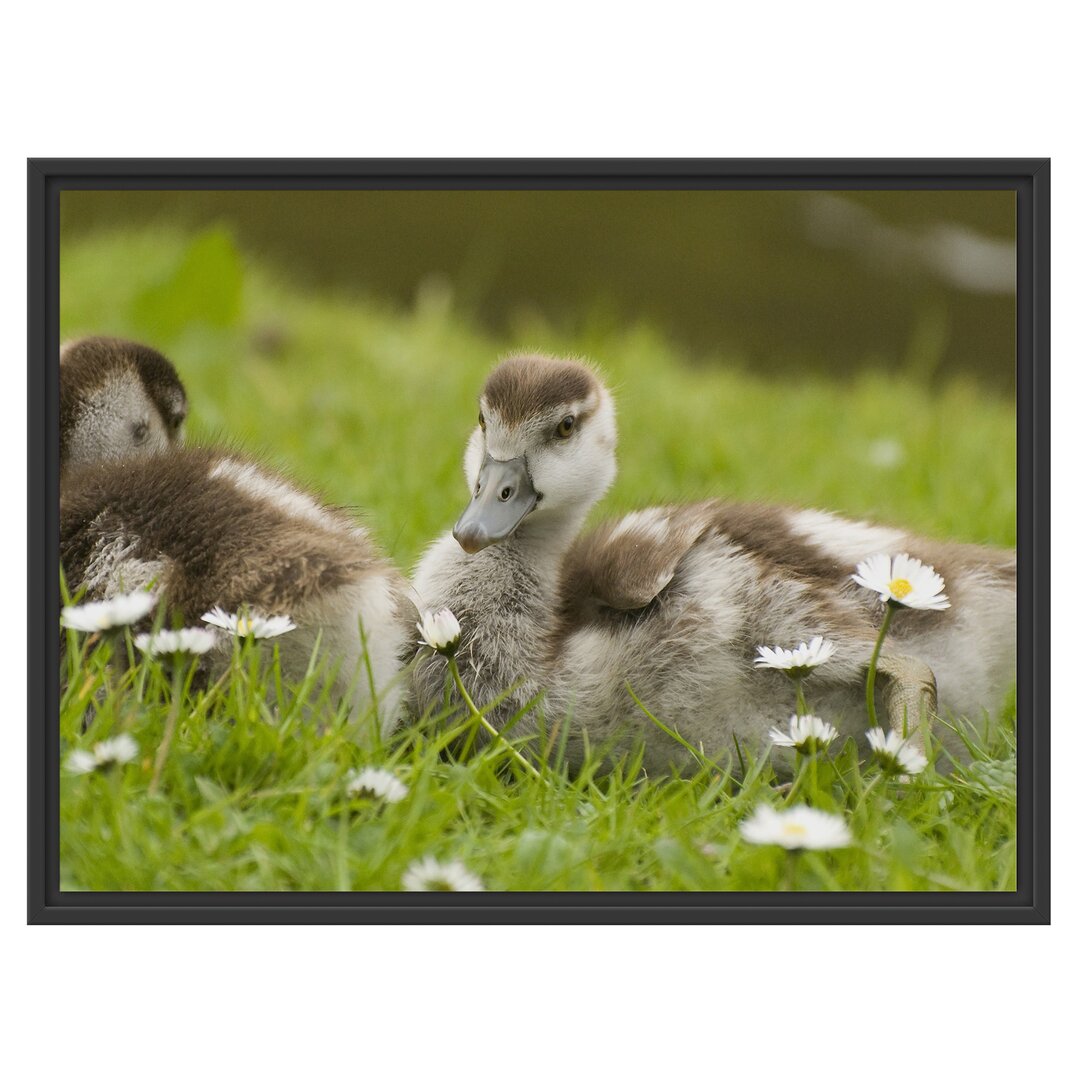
538, 541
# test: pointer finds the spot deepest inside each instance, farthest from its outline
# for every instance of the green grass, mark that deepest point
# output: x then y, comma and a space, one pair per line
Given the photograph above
371, 406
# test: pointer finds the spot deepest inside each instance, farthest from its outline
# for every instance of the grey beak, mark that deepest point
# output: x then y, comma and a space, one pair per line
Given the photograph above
504, 495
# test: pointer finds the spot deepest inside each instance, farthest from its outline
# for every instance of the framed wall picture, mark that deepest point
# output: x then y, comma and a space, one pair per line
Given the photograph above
525, 541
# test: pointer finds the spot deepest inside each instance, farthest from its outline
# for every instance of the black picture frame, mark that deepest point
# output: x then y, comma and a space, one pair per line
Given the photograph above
1028, 177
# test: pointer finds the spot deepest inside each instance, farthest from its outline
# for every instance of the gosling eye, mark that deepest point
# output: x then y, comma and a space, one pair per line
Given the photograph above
565, 428
139, 432
482, 422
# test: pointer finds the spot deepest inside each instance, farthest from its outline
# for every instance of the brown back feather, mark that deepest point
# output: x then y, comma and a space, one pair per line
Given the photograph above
605, 574
220, 545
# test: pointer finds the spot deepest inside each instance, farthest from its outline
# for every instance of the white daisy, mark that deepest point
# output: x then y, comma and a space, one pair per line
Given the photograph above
193, 640
902, 580
440, 631
806, 734
430, 875
800, 828
116, 751
894, 754
797, 662
376, 782
249, 624
122, 610
81, 761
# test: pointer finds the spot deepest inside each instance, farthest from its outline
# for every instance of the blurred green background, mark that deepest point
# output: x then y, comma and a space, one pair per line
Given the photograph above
851, 351
847, 352
772, 280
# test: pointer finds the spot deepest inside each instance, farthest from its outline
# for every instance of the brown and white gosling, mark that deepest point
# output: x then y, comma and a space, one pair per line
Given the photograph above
674, 600
209, 528
118, 399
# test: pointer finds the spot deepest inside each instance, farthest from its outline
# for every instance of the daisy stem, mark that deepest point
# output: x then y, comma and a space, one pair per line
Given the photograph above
805, 773
129, 648
483, 721
791, 863
170, 725
800, 701
796, 784
871, 671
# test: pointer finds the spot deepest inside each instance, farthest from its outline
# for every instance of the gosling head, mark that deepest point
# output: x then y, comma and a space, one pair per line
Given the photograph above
117, 399
543, 449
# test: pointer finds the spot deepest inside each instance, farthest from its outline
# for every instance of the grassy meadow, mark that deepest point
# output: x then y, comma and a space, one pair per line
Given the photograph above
371, 405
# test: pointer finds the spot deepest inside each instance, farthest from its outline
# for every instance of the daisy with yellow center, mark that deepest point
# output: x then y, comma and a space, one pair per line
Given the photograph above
900, 582
249, 624
802, 828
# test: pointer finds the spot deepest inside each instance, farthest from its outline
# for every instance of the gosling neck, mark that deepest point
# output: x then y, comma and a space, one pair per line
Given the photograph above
545, 538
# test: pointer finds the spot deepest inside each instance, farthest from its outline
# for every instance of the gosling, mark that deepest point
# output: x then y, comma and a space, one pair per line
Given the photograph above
209, 528
672, 601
